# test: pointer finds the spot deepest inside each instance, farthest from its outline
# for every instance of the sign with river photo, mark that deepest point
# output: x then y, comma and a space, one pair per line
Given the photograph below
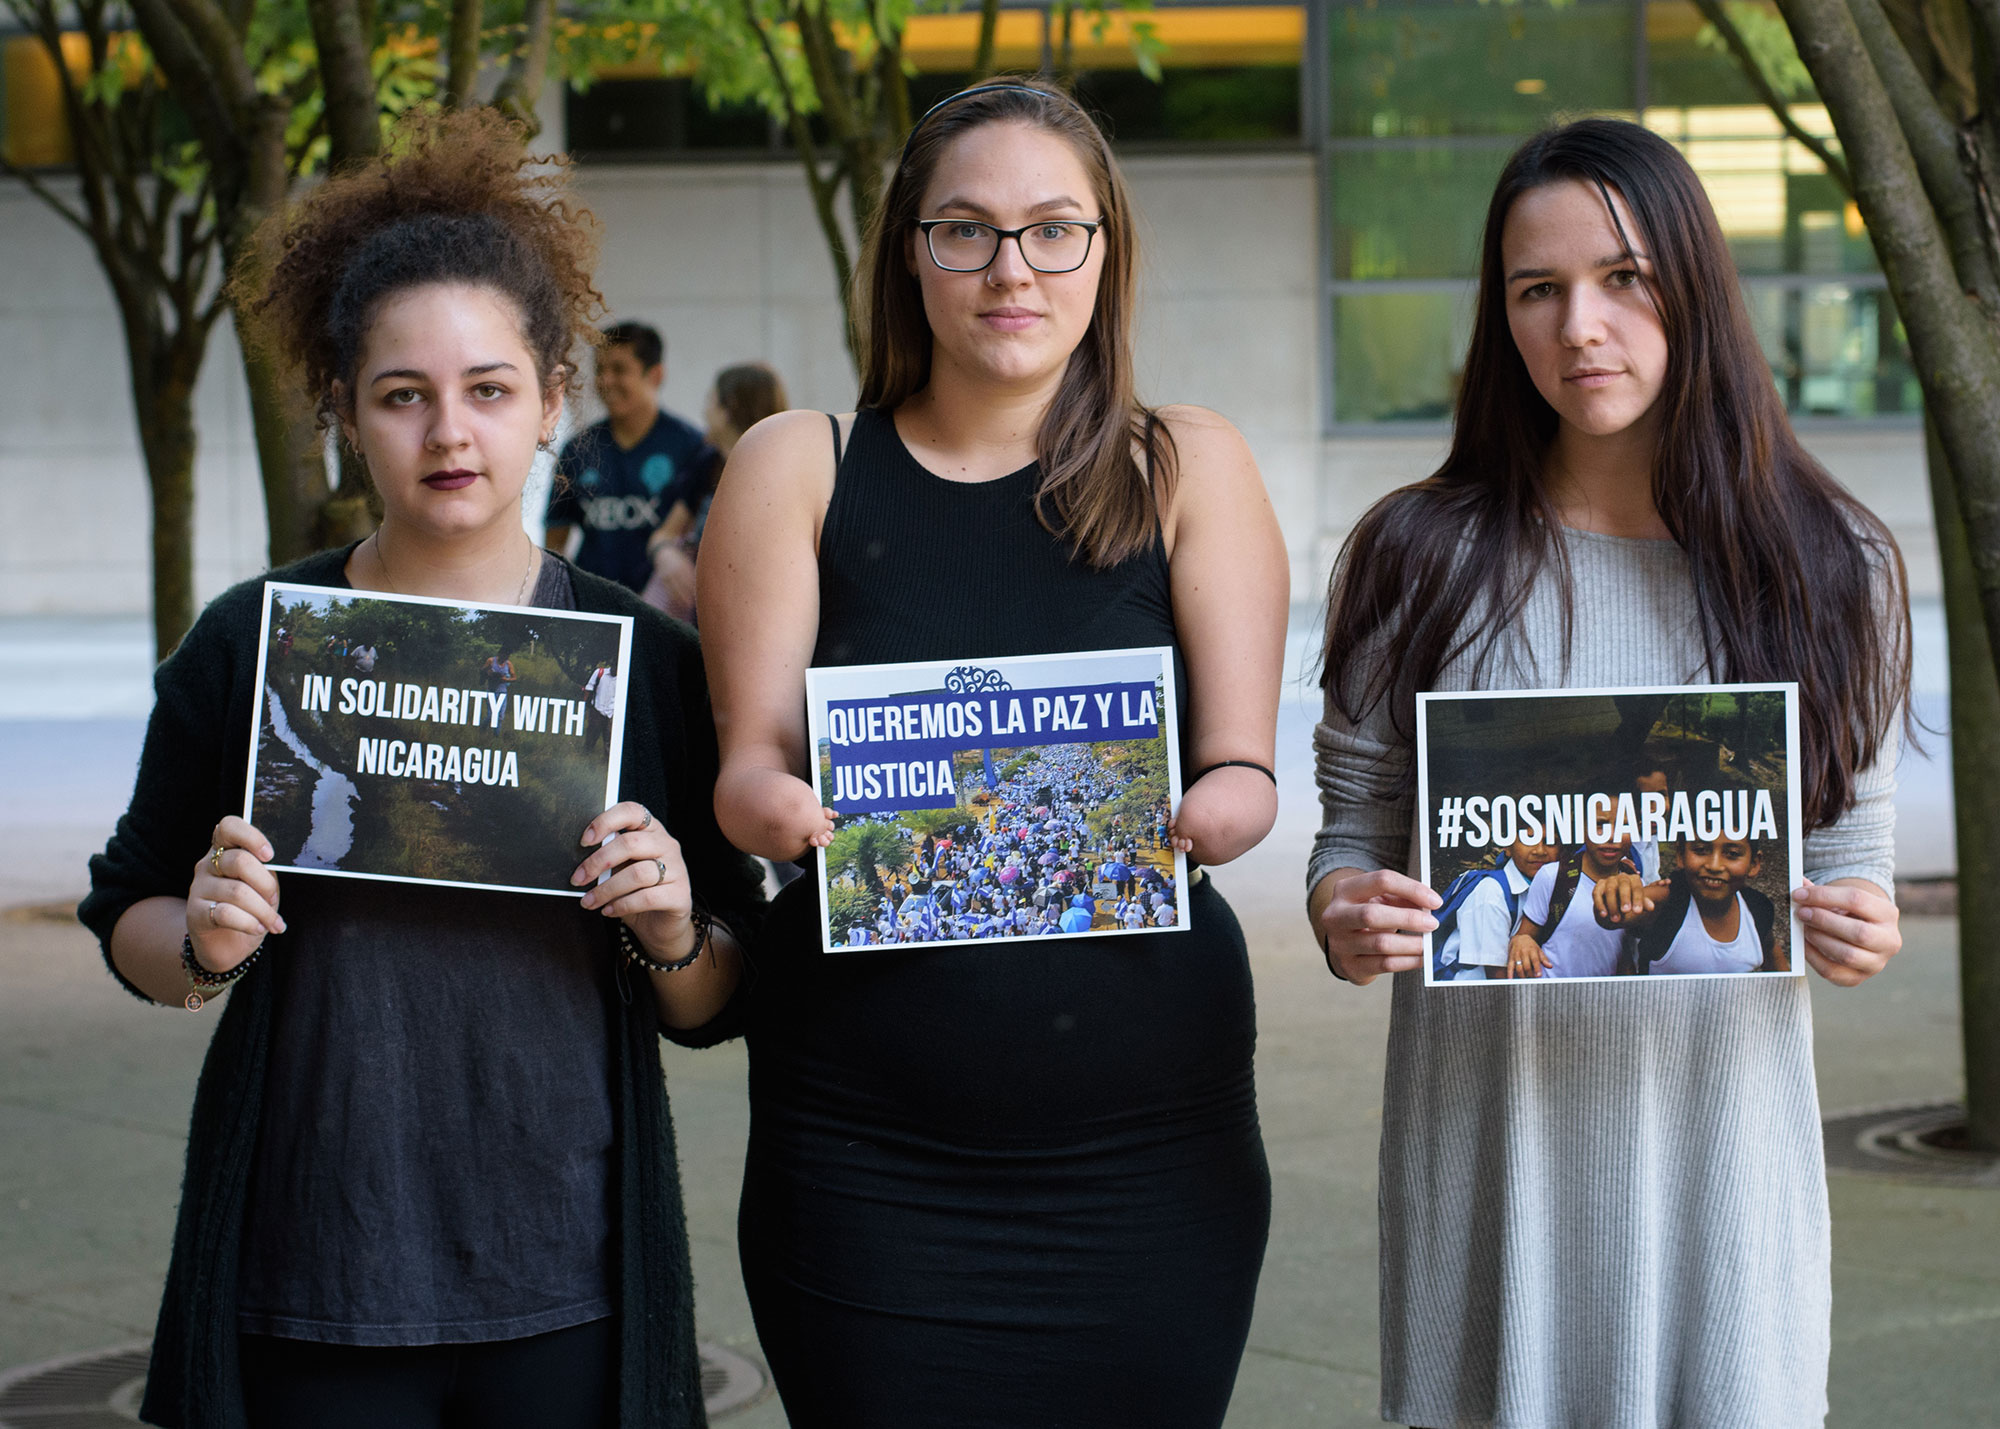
426, 741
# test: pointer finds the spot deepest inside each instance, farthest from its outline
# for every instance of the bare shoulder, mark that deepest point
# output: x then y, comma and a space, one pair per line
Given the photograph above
1202, 436
791, 442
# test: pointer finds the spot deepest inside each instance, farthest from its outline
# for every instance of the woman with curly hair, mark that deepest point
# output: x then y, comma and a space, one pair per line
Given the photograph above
430, 1174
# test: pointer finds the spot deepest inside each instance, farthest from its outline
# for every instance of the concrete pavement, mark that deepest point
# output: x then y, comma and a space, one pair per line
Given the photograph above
95, 1087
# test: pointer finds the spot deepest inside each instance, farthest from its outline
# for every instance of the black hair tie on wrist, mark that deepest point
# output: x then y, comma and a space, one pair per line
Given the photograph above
1208, 769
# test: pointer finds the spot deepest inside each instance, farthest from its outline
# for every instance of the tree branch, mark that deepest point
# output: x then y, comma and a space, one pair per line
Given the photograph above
462, 53
221, 48
47, 195
823, 191
1953, 343
1933, 144
188, 78
521, 87
983, 63
1715, 12
352, 111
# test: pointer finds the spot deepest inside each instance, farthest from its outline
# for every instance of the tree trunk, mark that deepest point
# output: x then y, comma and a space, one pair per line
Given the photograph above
288, 459
167, 441
1975, 781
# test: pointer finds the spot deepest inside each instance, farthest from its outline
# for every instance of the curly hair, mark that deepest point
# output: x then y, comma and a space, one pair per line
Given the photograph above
457, 198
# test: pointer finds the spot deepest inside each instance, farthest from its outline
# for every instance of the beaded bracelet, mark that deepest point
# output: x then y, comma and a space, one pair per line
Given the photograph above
206, 984
636, 954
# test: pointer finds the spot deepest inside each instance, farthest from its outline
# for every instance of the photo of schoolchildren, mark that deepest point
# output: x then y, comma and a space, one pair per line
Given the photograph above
1630, 833
1710, 921
1481, 910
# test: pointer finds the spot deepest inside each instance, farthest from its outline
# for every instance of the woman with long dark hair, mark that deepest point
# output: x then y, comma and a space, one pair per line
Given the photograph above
430, 1172
1015, 1181
1604, 1203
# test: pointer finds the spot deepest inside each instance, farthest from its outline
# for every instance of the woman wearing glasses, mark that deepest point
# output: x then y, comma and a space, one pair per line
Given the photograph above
1015, 1181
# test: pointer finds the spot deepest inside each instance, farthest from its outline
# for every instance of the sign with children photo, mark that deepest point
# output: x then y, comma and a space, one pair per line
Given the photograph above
1021, 797
1610, 833
425, 741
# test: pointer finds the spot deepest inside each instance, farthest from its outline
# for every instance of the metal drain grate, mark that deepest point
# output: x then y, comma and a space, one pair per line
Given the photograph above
101, 1389
1890, 1141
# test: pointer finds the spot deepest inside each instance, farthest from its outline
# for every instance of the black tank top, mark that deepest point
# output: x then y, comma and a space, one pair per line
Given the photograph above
915, 567
1014, 1041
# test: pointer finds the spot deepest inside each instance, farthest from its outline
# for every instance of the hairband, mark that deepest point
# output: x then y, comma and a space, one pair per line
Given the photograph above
923, 118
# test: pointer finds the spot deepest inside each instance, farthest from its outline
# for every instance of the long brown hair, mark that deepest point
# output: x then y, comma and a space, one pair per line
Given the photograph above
1793, 578
1092, 491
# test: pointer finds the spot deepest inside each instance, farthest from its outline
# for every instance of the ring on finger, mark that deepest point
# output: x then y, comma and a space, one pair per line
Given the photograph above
648, 823
211, 913
215, 860
661, 865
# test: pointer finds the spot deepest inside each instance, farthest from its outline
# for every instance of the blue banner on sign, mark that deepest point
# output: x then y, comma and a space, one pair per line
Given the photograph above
896, 752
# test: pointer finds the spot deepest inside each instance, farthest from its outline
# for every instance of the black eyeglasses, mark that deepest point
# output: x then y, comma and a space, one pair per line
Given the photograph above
961, 245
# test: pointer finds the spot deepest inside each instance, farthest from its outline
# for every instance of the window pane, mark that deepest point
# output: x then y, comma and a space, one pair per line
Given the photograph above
1235, 104
1410, 213
1835, 350
624, 118
1687, 63
1397, 356
1461, 67
1778, 209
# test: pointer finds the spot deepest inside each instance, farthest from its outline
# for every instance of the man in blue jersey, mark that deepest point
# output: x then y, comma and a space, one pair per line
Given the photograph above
618, 478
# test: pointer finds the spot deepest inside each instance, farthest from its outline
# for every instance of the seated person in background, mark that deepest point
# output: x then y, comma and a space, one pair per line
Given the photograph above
1559, 934
1709, 921
743, 396
618, 478
1480, 909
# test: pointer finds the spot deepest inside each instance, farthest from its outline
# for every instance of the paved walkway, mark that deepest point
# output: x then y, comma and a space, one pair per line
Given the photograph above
95, 1087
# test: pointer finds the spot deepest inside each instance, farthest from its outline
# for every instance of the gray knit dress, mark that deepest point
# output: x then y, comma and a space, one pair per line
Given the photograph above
1603, 1204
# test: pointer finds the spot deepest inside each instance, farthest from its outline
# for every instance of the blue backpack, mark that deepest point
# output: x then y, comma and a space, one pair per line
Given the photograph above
1454, 899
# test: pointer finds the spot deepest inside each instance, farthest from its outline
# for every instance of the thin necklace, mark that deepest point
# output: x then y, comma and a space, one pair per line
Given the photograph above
520, 596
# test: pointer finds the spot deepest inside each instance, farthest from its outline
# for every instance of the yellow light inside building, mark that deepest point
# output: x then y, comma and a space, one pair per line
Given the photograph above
34, 131
1530, 86
945, 43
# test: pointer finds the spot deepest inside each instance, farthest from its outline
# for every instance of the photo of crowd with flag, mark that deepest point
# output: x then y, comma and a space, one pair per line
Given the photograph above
1021, 839
1610, 833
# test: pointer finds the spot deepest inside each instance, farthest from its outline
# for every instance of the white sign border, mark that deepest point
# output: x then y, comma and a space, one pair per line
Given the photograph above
1169, 728
613, 772
1795, 838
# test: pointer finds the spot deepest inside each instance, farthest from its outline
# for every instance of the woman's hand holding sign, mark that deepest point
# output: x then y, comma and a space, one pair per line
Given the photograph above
1372, 923
1851, 928
232, 902
645, 882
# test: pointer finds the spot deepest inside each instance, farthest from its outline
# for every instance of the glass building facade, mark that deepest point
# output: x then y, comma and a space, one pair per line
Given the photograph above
1425, 99
1404, 111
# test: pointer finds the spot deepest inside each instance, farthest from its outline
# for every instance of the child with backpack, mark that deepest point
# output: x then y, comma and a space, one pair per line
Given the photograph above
1481, 908
1559, 934
1711, 920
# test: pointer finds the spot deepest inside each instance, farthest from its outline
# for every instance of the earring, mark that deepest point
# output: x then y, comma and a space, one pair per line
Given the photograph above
546, 444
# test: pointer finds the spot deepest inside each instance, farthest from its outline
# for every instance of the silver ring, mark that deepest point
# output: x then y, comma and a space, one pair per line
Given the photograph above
211, 913
660, 864
649, 821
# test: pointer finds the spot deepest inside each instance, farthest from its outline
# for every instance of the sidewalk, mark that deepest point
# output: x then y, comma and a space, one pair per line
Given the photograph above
95, 1088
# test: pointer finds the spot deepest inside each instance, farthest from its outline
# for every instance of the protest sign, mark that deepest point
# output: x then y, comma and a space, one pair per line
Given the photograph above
1547, 814
429, 741
1020, 797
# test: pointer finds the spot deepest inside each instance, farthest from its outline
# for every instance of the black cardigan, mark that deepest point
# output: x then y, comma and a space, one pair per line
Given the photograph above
191, 773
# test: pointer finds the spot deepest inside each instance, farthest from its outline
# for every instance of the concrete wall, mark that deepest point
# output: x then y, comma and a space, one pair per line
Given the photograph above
728, 260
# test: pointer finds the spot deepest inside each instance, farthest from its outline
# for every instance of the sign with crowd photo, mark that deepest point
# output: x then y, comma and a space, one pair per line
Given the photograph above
1547, 814
1012, 798
426, 741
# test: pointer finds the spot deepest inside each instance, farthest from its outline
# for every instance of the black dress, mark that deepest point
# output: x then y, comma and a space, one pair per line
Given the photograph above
1008, 1184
